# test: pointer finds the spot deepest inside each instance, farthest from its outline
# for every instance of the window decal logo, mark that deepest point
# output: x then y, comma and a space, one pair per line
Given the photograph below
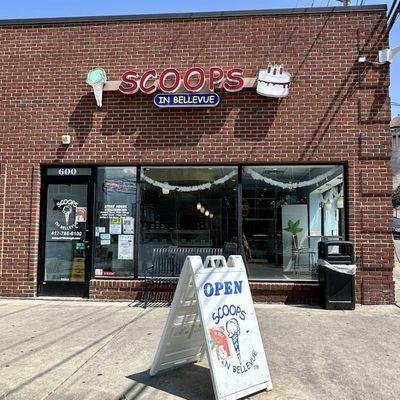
68, 208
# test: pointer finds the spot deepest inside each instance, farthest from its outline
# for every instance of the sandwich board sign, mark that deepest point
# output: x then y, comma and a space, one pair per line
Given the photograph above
212, 312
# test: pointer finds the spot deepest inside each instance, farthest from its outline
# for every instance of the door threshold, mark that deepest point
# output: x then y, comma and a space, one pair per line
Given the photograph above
60, 298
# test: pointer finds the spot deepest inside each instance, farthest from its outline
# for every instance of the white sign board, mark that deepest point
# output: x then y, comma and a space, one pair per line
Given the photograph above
213, 312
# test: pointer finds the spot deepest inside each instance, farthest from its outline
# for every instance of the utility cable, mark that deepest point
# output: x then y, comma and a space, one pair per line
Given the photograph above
393, 17
391, 9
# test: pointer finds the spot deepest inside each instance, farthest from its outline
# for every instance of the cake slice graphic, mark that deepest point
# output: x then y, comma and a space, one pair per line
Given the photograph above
273, 81
97, 78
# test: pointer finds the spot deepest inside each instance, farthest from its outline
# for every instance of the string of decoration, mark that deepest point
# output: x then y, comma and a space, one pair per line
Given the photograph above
291, 185
195, 188
332, 195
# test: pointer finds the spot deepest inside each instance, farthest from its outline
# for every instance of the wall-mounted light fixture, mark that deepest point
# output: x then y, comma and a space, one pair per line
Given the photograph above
66, 139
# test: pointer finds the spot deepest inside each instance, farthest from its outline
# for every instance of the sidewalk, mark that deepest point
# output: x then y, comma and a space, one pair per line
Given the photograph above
90, 350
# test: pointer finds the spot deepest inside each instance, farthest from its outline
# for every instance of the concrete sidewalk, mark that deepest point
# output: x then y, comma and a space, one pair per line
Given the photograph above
90, 350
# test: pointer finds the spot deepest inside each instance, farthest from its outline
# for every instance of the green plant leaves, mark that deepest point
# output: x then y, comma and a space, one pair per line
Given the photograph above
293, 227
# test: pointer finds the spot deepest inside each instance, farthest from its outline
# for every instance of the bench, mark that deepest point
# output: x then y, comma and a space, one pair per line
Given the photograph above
162, 275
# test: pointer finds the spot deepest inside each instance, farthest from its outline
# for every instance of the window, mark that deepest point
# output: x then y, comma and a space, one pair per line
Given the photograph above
286, 211
115, 221
187, 207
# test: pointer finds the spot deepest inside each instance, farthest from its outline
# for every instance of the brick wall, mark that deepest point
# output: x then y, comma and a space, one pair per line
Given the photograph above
338, 111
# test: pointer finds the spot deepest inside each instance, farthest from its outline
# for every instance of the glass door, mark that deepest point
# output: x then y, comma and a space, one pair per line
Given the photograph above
66, 237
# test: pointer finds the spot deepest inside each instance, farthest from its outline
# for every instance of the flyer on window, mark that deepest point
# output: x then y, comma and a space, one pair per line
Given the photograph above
125, 247
128, 225
81, 214
115, 226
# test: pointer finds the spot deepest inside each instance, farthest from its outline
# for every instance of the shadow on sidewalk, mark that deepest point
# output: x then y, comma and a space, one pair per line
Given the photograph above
189, 382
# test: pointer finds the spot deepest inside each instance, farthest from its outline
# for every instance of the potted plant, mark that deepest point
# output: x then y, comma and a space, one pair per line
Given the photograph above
294, 229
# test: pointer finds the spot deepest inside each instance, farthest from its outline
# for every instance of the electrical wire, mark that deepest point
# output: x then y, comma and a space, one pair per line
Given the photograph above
391, 8
393, 16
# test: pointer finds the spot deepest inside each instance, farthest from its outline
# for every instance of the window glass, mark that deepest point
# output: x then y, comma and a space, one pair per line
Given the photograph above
286, 211
66, 227
115, 221
187, 207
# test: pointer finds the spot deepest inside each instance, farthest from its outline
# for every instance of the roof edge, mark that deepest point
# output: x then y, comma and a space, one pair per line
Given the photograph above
194, 15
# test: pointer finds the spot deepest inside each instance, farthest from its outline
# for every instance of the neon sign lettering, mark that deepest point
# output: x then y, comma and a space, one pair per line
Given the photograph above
193, 80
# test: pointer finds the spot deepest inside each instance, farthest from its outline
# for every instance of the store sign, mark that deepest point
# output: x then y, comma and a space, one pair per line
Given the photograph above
273, 81
186, 100
171, 80
194, 87
213, 312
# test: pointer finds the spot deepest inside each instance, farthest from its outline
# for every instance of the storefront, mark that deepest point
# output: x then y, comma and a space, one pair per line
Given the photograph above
253, 133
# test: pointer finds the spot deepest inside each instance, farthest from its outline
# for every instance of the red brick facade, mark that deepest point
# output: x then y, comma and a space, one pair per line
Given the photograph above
338, 112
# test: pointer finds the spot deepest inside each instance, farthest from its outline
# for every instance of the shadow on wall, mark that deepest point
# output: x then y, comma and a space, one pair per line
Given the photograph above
245, 115
81, 120
349, 85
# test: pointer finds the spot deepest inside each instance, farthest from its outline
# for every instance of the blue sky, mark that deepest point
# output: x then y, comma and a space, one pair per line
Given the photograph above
63, 8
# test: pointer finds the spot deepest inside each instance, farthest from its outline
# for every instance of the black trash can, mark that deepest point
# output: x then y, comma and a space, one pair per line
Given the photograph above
336, 288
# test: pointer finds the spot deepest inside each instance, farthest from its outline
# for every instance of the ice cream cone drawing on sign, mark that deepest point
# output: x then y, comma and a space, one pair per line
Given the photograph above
67, 210
273, 81
97, 78
233, 329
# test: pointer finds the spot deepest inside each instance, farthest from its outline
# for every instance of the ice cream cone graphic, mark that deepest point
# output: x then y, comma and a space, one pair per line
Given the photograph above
233, 329
97, 78
67, 210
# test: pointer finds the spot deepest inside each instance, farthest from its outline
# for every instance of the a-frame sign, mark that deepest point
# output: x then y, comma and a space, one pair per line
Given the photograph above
213, 312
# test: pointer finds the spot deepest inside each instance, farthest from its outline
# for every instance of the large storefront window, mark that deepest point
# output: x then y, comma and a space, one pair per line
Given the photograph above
286, 211
188, 207
115, 221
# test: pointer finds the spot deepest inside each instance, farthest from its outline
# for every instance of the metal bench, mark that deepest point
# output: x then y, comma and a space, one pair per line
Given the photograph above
162, 275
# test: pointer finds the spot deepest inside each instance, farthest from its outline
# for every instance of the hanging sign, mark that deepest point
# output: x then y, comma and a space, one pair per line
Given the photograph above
212, 312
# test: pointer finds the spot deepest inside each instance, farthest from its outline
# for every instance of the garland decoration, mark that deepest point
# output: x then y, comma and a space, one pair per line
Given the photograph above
291, 185
204, 186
